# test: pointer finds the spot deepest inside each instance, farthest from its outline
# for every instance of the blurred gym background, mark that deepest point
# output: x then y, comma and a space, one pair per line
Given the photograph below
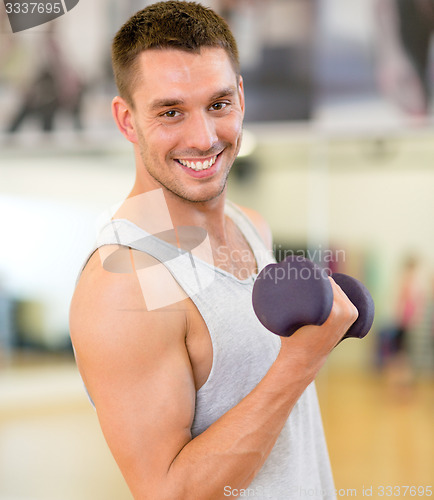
338, 156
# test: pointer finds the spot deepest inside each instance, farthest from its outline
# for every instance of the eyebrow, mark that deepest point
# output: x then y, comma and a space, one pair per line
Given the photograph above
169, 102
226, 92
165, 103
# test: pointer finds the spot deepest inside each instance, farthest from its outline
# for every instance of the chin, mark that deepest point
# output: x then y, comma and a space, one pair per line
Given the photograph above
203, 197
203, 194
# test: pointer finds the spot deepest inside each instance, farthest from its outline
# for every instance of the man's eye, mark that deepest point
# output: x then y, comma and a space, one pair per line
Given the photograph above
218, 106
171, 113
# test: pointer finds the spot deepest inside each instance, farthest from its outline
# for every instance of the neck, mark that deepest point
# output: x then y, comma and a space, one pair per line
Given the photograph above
208, 215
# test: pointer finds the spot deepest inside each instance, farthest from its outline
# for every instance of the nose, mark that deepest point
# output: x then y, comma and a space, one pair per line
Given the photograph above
200, 132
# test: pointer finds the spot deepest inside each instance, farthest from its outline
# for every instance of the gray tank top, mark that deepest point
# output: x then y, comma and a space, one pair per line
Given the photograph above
243, 351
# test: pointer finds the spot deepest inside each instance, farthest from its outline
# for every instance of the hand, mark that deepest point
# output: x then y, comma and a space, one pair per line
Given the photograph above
310, 345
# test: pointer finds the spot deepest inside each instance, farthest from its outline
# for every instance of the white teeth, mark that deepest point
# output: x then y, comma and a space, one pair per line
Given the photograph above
198, 165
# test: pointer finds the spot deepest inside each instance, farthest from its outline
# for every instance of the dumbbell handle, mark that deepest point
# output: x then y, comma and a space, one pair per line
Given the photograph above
297, 292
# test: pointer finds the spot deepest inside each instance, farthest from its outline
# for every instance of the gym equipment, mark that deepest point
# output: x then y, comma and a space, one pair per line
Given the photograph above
297, 292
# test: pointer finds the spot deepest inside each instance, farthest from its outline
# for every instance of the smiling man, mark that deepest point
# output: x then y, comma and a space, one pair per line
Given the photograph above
196, 399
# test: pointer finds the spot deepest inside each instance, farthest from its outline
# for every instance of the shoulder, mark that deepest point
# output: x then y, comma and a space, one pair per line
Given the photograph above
118, 276
260, 224
106, 283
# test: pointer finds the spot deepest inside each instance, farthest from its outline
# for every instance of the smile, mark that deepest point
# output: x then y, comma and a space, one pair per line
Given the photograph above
199, 165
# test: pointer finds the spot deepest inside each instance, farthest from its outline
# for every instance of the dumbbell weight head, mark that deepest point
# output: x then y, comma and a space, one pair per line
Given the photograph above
291, 294
359, 295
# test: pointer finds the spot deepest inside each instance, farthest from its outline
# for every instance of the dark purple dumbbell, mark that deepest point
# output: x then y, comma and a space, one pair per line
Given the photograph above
296, 292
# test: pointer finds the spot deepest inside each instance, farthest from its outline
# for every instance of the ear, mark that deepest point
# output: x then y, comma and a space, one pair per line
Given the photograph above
123, 117
241, 93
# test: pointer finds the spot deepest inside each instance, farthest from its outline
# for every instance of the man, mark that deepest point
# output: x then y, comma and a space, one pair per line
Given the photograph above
195, 397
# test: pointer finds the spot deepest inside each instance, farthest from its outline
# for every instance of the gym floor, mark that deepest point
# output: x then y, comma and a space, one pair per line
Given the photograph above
380, 432
380, 435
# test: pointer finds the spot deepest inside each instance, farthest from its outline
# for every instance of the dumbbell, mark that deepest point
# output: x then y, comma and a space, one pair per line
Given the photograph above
297, 292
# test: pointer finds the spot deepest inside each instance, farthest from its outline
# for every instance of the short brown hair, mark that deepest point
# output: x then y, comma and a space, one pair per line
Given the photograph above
173, 24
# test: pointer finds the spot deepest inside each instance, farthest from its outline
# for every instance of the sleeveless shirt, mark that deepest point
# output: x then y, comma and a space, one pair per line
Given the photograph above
243, 351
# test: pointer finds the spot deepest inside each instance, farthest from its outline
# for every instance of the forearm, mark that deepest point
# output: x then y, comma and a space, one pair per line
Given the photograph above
233, 449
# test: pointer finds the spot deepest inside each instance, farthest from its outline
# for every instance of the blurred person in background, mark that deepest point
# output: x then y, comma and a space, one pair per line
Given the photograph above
405, 28
410, 309
54, 88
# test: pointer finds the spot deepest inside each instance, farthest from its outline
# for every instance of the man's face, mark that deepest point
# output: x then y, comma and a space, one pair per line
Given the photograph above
188, 114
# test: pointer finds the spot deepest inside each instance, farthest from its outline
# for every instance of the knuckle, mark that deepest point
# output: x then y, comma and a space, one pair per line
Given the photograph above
351, 309
355, 312
344, 310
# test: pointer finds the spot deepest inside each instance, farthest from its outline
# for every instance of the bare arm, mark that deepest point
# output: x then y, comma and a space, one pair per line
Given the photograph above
136, 367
